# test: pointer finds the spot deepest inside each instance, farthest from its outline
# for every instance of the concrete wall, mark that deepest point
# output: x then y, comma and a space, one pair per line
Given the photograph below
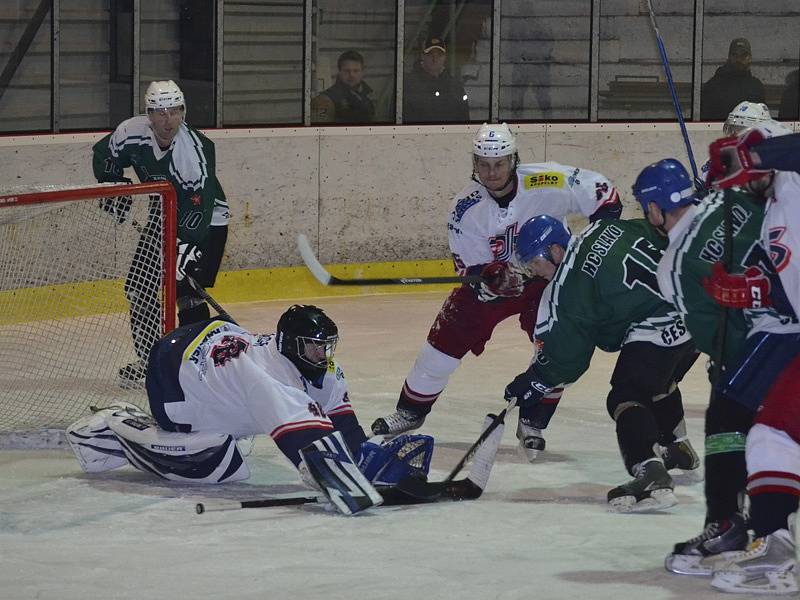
361, 194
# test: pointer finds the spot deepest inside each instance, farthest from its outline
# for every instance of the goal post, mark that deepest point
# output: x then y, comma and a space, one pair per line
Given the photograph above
87, 285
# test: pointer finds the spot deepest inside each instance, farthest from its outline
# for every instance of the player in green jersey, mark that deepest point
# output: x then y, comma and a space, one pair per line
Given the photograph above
697, 240
161, 146
603, 294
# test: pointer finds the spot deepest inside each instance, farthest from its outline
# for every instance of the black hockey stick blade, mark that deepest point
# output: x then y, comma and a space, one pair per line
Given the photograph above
499, 419
201, 291
419, 491
325, 278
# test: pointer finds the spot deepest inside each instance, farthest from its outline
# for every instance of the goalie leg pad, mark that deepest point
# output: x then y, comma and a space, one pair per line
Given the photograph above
196, 457
331, 466
95, 445
388, 462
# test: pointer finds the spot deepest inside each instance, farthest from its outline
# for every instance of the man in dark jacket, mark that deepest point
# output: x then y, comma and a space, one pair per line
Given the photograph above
789, 104
348, 100
430, 93
731, 84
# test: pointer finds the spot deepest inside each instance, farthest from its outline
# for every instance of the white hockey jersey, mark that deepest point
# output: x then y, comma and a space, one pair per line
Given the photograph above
780, 237
238, 383
480, 231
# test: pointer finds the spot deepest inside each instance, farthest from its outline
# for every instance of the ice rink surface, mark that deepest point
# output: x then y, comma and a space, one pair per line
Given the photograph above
540, 531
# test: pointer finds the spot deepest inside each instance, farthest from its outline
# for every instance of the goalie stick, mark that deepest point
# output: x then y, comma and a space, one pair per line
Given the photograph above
325, 278
407, 492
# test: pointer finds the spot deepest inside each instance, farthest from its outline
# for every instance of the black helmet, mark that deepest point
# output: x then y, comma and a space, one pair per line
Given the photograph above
307, 337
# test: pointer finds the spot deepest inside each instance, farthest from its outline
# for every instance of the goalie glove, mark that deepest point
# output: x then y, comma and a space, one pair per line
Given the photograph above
500, 280
527, 389
117, 206
743, 290
188, 255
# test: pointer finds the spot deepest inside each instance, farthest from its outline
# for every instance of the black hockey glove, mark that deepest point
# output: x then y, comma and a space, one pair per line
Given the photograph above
527, 389
117, 206
188, 256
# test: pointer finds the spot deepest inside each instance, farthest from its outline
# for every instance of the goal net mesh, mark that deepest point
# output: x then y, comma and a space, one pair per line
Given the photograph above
81, 301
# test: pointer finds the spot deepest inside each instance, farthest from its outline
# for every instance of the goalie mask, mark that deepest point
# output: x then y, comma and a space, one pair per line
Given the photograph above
307, 337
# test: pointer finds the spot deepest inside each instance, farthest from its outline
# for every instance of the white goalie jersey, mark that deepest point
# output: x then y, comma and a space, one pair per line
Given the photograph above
480, 231
239, 383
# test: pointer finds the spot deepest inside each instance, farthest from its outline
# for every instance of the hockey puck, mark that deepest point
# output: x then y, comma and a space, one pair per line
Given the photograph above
199, 508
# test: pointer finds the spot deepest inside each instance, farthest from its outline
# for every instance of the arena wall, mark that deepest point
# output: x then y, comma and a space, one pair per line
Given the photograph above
362, 194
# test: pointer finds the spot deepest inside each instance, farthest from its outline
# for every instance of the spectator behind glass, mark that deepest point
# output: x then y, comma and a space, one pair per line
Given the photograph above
731, 84
789, 105
348, 100
430, 93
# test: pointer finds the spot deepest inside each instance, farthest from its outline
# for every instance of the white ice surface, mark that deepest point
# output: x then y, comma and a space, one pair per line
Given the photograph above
540, 531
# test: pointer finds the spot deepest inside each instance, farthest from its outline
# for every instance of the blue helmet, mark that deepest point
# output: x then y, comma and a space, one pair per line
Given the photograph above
536, 236
666, 183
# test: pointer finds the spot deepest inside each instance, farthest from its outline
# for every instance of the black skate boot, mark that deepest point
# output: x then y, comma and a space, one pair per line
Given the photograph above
698, 555
400, 421
682, 456
651, 489
530, 439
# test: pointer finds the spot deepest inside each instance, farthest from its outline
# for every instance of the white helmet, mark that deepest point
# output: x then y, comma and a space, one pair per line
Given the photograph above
745, 115
494, 140
163, 94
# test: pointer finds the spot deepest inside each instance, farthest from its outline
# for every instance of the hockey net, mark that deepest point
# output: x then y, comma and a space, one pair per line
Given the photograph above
82, 300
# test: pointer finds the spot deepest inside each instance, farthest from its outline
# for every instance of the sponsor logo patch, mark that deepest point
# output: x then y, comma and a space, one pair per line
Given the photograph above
552, 179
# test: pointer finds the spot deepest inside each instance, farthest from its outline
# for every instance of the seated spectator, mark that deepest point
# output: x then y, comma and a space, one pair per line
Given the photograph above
790, 108
430, 93
731, 84
348, 100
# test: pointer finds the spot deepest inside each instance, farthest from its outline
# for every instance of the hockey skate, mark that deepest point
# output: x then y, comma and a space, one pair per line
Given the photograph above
698, 555
682, 456
651, 489
530, 439
132, 375
400, 421
767, 566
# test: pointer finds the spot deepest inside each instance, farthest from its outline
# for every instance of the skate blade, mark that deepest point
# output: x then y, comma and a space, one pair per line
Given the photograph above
689, 564
658, 500
772, 584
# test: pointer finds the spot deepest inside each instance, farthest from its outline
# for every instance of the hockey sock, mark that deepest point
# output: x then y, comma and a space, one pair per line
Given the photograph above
539, 416
668, 412
726, 474
770, 511
637, 433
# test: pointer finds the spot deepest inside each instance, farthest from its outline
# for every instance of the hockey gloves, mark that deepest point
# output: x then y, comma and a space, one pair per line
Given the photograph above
731, 160
117, 206
743, 290
500, 280
527, 389
188, 256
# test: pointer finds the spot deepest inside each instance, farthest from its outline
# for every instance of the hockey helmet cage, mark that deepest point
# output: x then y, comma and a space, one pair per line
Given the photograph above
666, 183
745, 115
494, 141
535, 238
163, 94
307, 337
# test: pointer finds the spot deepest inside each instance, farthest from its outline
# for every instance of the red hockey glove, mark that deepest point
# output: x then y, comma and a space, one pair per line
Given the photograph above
731, 162
744, 290
501, 279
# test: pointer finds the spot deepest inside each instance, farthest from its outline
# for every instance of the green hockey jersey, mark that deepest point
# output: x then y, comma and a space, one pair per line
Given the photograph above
604, 294
698, 241
189, 164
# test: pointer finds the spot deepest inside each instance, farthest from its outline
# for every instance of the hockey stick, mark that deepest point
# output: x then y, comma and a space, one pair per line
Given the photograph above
403, 494
698, 183
325, 278
201, 291
499, 420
